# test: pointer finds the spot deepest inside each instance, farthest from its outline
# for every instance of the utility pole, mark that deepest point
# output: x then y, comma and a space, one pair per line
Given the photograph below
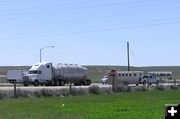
128, 56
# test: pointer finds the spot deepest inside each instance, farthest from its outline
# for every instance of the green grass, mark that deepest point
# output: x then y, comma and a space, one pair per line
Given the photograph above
139, 105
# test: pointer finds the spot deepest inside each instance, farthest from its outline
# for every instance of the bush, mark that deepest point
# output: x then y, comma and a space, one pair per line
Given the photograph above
23, 93
2, 95
106, 90
79, 91
46, 92
178, 85
160, 88
122, 88
140, 88
94, 90
173, 87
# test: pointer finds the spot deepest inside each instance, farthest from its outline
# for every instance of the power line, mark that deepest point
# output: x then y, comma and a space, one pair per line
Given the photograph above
124, 28
86, 7
105, 29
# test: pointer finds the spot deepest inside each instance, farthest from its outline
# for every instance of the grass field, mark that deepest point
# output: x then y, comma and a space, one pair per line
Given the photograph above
138, 105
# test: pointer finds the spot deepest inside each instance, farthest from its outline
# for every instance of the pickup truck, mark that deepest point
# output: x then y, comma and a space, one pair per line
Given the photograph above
150, 79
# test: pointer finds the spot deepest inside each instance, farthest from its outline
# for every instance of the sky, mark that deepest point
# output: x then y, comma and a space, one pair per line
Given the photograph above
90, 32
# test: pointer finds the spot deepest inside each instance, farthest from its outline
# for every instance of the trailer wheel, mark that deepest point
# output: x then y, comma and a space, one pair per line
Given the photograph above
78, 83
36, 83
48, 83
61, 82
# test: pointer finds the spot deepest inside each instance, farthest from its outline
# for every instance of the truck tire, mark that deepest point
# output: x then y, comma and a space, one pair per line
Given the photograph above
57, 83
88, 82
61, 82
36, 83
53, 83
78, 83
85, 82
26, 84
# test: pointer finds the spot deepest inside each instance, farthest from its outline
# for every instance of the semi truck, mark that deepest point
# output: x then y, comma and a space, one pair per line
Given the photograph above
44, 73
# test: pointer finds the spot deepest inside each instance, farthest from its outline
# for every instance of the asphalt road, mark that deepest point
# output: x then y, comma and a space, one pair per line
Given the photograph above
8, 86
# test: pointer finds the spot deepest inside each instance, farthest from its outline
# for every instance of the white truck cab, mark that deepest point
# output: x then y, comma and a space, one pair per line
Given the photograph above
40, 73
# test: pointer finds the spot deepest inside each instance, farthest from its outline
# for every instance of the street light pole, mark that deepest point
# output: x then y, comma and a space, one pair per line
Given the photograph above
42, 49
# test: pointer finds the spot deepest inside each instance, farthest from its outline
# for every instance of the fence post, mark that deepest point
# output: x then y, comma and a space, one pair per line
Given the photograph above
113, 85
174, 82
70, 88
15, 95
148, 84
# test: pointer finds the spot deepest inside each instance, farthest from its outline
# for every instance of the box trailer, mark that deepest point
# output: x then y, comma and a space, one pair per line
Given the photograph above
16, 75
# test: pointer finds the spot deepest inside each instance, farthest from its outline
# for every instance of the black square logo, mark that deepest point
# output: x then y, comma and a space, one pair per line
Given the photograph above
172, 111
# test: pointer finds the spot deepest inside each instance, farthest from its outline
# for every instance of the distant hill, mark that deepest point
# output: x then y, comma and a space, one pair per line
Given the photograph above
97, 72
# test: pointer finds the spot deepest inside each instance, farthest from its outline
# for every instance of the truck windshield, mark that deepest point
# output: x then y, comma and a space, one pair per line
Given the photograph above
33, 72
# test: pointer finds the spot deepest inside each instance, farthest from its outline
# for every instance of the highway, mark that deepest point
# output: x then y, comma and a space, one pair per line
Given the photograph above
8, 86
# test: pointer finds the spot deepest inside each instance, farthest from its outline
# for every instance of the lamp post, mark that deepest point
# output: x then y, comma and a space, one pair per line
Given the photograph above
42, 49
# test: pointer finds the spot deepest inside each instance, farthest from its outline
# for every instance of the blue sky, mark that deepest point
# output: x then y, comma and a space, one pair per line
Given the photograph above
90, 32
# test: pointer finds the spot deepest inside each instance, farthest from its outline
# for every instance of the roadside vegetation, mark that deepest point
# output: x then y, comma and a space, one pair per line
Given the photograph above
124, 105
78, 91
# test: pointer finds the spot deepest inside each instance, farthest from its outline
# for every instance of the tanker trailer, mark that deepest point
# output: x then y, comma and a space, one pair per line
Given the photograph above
57, 75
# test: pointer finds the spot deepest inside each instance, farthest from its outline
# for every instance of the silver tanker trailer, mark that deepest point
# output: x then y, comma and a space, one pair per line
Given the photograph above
45, 73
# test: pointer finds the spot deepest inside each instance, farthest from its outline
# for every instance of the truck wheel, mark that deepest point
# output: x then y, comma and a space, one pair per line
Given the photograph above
61, 83
48, 83
76, 83
54, 83
36, 83
85, 83
26, 84
88, 82
57, 83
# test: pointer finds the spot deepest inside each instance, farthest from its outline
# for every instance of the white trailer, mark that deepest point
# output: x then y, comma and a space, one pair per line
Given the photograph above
126, 77
16, 75
160, 73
